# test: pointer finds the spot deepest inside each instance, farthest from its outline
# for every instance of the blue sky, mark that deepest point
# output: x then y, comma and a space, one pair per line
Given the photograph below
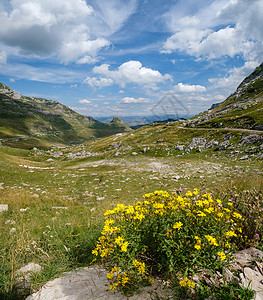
121, 57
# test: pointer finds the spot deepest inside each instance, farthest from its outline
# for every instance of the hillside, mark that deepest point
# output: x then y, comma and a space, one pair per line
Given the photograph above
28, 121
242, 109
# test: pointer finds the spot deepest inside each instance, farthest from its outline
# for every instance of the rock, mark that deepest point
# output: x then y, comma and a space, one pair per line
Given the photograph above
212, 144
244, 157
179, 147
251, 139
254, 280
247, 256
50, 160
223, 145
3, 207
197, 143
60, 207
91, 283
25, 273
160, 141
116, 154
134, 153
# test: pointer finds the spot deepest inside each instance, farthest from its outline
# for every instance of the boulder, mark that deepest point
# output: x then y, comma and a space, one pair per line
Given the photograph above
91, 283
3, 207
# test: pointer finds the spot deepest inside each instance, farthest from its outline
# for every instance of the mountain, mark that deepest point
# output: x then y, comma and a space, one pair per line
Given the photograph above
242, 109
28, 122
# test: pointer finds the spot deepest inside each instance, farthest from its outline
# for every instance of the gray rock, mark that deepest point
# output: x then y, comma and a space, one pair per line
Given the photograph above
247, 256
254, 280
244, 157
212, 144
3, 207
91, 283
160, 141
24, 274
134, 153
251, 139
179, 147
223, 145
197, 143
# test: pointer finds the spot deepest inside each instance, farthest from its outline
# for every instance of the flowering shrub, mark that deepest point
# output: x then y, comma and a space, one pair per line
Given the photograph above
167, 235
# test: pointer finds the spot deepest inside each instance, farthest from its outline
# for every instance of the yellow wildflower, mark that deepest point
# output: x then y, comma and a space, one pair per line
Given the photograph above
189, 194
178, 225
124, 247
211, 240
187, 283
222, 255
201, 214
231, 233
237, 215
139, 265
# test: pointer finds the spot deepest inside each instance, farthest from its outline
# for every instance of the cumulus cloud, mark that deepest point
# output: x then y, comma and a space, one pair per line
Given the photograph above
71, 30
186, 88
87, 60
134, 100
3, 57
84, 101
132, 72
98, 82
234, 77
221, 28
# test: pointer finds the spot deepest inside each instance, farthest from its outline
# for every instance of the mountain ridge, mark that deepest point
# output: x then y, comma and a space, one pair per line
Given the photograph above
242, 109
44, 122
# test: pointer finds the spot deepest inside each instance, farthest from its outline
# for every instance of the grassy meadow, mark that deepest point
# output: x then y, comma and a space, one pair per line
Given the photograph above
56, 205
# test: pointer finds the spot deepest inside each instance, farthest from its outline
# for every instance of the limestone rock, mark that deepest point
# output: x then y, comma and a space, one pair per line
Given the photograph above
24, 275
90, 283
3, 207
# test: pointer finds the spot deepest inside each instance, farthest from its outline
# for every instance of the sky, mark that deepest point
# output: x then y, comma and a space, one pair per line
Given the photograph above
130, 57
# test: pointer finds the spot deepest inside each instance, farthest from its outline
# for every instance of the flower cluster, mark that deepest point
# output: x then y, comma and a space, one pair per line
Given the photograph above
165, 234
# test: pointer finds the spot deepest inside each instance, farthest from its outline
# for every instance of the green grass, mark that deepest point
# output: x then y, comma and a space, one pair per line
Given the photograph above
61, 240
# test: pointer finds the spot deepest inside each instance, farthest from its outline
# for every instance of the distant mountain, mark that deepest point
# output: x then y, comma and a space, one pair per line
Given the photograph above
242, 109
135, 121
29, 121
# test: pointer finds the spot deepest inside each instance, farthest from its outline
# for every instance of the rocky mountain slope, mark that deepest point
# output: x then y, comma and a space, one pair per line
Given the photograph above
30, 121
242, 109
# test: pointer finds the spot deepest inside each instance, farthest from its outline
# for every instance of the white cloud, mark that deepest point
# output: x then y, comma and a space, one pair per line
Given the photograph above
133, 100
234, 77
98, 82
3, 57
186, 88
221, 28
85, 101
87, 60
70, 30
132, 72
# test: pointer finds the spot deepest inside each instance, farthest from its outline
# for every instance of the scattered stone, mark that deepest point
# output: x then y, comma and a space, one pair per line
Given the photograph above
60, 207
244, 157
251, 139
24, 209
50, 160
3, 207
160, 141
134, 153
223, 145
10, 222
197, 143
12, 230
179, 147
